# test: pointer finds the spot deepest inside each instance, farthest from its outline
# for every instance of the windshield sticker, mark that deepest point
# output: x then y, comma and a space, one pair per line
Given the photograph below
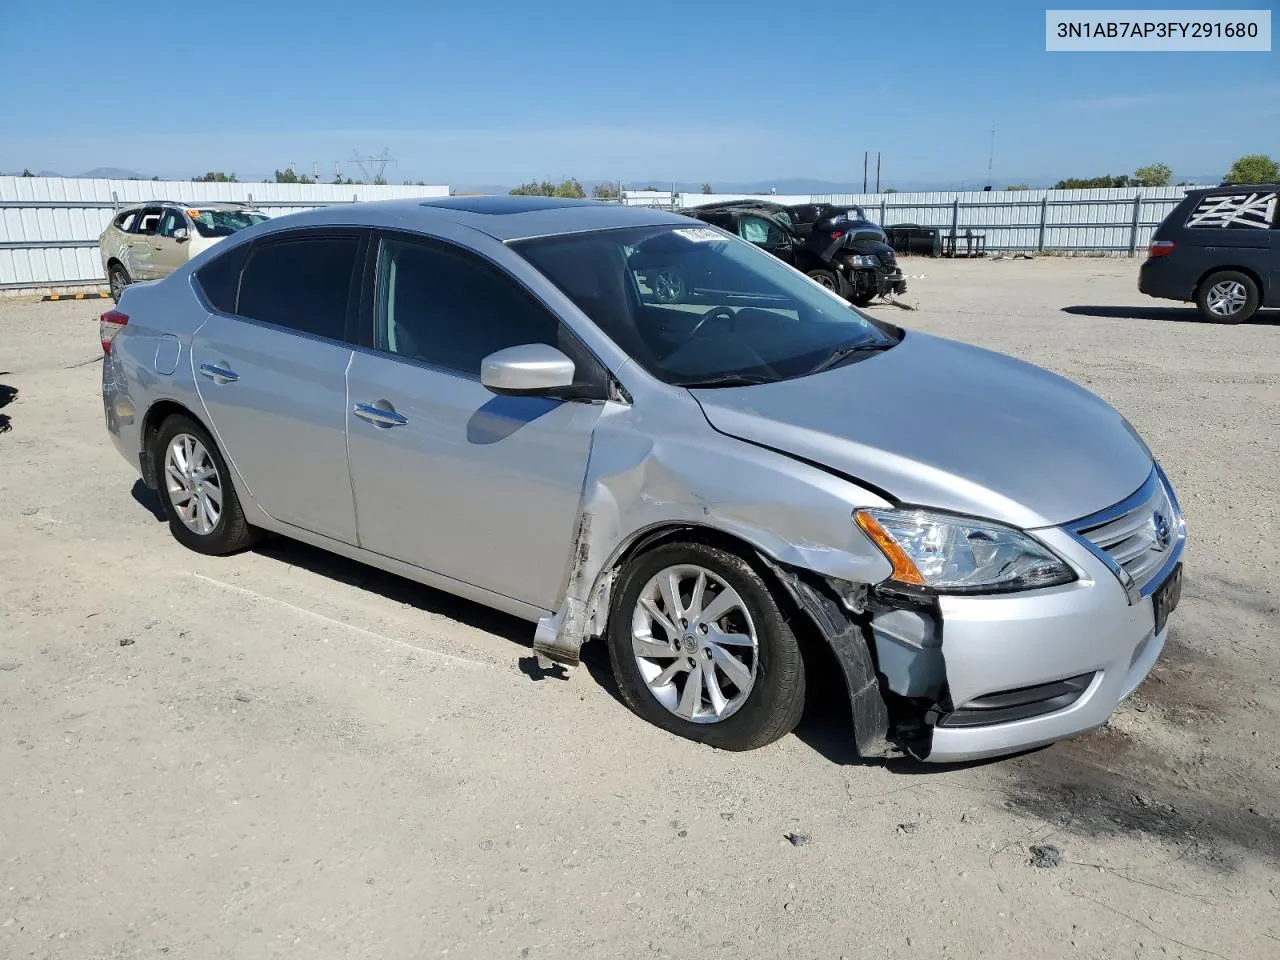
698, 234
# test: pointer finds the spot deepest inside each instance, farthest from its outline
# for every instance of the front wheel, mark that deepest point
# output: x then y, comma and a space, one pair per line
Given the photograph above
199, 500
700, 647
829, 279
1228, 297
117, 279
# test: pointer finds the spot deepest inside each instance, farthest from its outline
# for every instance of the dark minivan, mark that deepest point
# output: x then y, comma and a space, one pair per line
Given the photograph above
1220, 248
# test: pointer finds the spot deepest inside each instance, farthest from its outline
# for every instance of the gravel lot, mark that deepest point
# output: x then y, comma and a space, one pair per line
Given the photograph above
284, 754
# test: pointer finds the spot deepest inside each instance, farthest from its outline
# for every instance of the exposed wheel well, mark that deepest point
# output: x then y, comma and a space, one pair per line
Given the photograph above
114, 262
1251, 274
159, 412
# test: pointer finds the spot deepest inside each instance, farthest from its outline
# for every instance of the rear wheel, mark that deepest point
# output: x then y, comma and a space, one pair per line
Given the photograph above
118, 279
700, 648
198, 497
1228, 297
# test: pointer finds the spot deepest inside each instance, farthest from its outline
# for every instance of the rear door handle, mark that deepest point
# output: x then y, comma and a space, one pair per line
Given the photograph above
380, 416
219, 373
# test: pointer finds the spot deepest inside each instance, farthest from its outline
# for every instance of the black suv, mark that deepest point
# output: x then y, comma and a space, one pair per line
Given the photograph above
834, 244
1220, 248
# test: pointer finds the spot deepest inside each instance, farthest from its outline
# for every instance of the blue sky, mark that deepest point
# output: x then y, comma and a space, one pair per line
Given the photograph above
497, 92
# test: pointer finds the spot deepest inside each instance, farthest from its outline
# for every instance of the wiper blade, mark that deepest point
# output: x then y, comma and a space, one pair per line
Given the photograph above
845, 353
728, 380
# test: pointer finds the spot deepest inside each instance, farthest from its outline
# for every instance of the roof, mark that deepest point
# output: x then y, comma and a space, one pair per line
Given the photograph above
501, 217
187, 205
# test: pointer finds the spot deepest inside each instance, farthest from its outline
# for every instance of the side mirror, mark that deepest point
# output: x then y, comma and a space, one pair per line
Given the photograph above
182, 234
531, 369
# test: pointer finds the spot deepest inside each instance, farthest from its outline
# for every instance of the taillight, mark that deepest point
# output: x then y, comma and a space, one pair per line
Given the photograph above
835, 234
1160, 248
109, 324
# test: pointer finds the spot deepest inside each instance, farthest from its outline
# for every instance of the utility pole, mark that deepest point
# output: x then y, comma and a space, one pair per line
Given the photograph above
864, 171
991, 155
877, 171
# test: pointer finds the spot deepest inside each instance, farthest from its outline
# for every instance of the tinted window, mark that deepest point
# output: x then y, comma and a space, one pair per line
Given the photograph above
303, 284
219, 279
1246, 210
449, 308
171, 221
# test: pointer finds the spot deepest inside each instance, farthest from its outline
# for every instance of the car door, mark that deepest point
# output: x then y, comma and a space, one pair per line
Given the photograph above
271, 364
767, 235
1271, 295
139, 260
170, 244
482, 488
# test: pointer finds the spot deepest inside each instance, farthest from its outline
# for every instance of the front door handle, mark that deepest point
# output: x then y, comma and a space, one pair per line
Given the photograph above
219, 373
380, 414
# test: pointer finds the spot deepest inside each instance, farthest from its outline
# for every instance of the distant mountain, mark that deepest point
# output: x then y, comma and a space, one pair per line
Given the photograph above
111, 173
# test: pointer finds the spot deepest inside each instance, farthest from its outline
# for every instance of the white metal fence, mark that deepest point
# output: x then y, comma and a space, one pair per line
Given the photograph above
49, 226
1114, 220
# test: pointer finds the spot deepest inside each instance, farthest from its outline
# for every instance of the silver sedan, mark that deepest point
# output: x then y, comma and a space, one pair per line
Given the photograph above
501, 398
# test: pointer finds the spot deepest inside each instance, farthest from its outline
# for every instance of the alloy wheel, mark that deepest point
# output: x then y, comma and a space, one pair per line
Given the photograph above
668, 286
1226, 298
193, 483
695, 644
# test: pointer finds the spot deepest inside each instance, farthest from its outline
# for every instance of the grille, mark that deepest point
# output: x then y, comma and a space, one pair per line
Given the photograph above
1142, 534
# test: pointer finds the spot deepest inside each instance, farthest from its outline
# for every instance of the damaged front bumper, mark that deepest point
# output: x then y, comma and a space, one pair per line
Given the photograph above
955, 678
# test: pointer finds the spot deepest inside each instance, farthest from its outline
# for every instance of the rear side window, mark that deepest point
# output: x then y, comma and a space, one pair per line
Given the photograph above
126, 220
219, 279
1246, 210
303, 284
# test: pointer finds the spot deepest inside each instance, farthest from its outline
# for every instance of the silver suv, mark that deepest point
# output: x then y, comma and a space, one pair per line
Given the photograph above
484, 395
151, 240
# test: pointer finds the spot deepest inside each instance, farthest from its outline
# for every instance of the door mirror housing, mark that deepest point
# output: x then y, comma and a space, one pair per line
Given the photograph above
531, 369
182, 234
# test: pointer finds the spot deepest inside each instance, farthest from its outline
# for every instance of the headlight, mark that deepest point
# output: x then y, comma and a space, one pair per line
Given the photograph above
952, 554
864, 261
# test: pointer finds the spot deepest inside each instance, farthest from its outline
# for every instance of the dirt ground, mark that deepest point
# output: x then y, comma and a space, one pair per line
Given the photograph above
284, 754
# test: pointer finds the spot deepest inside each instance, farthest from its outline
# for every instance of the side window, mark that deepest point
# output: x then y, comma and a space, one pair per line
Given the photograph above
171, 221
303, 283
1246, 210
760, 231
449, 308
126, 221
219, 279
148, 221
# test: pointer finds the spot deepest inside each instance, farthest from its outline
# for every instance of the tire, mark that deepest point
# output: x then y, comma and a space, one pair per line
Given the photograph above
117, 279
229, 531
1228, 296
667, 285
829, 279
761, 710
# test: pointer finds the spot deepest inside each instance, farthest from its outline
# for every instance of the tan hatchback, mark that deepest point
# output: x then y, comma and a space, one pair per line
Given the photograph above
150, 240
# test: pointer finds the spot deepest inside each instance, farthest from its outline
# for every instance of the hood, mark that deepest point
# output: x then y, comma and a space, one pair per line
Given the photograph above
941, 424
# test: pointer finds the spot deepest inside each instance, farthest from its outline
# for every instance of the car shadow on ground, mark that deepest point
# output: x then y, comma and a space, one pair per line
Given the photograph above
7, 395
407, 592
1168, 314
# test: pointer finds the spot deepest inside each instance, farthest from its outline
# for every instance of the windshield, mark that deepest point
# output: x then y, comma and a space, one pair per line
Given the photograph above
691, 304
223, 223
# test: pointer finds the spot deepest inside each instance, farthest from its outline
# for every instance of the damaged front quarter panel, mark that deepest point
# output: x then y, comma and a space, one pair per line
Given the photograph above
644, 484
